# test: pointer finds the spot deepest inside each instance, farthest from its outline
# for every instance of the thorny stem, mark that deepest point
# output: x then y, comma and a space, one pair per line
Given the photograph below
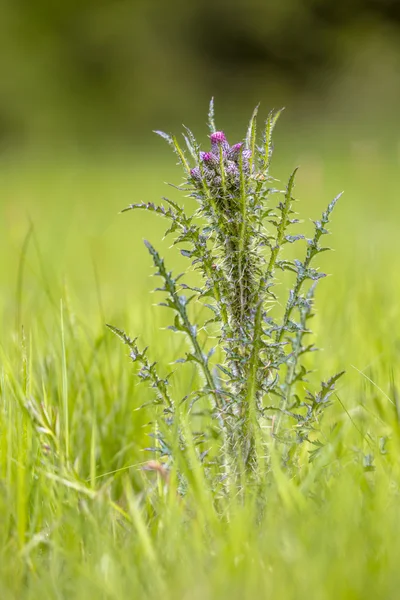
242, 233
312, 250
180, 308
136, 355
291, 370
282, 225
249, 408
200, 357
302, 275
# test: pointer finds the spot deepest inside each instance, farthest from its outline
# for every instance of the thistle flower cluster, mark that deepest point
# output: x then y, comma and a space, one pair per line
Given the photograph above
220, 169
255, 374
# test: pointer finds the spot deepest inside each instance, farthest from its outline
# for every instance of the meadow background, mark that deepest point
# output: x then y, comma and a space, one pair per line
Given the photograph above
82, 86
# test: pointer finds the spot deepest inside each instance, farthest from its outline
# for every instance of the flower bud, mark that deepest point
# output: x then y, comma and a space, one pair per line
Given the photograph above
209, 159
196, 174
218, 140
232, 173
246, 155
234, 151
216, 182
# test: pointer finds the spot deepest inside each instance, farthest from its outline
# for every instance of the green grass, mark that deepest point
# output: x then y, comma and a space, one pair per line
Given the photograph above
74, 520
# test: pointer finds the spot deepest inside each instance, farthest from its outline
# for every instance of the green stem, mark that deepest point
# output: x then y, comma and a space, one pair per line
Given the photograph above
249, 409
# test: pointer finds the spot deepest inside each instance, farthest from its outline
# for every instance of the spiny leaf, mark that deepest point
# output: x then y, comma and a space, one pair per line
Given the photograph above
330, 208
191, 143
293, 238
251, 136
268, 147
211, 121
159, 210
164, 135
122, 335
172, 141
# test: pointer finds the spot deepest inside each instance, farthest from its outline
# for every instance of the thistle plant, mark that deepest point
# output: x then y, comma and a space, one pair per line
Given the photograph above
254, 379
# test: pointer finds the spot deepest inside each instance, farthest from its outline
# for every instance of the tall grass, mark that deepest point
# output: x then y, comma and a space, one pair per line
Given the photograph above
75, 516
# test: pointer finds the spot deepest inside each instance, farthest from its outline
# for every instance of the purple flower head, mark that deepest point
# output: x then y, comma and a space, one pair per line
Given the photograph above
218, 137
218, 140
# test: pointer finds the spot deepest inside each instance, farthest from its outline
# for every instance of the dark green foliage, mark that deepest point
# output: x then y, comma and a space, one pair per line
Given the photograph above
236, 242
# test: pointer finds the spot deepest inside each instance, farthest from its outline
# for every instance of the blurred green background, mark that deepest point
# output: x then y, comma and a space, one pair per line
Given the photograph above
85, 82
110, 70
